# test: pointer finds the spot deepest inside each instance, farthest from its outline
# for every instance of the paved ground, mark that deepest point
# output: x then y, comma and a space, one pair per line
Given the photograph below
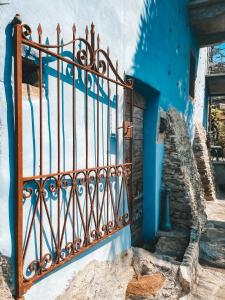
211, 281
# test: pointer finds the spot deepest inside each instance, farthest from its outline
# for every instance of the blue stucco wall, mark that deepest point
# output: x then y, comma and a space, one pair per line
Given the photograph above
152, 41
162, 60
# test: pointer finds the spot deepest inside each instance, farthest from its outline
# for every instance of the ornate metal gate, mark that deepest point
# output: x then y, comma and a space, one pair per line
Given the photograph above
72, 182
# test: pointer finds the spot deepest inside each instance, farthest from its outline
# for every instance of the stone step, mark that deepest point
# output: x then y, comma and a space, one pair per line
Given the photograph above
212, 249
172, 245
173, 233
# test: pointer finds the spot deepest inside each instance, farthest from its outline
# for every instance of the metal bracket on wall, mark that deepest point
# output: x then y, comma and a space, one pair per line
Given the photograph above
128, 129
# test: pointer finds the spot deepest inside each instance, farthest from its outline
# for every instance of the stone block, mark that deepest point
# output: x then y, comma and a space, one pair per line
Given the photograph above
145, 286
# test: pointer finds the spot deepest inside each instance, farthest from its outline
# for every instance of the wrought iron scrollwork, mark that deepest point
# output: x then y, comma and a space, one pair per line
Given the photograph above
80, 183
86, 57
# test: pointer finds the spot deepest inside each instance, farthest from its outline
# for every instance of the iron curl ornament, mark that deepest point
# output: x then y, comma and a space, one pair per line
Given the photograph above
86, 57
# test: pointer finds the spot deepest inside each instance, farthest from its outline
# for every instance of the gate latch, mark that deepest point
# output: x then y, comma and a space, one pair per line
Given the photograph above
128, 130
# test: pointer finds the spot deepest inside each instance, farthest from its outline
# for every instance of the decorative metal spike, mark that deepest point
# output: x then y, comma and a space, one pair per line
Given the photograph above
39, 29
74, 28
92, 27
58, 29
92, 31
108, 50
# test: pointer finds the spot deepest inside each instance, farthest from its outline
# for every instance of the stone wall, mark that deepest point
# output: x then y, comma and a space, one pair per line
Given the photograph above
187, 195
204, 163
182, 177
6, 289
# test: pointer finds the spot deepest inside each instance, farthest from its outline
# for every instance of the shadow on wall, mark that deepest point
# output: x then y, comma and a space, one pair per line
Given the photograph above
10, 127
142, 72
50, 73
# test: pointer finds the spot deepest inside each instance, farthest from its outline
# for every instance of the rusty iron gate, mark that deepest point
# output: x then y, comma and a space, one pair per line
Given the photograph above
62, 212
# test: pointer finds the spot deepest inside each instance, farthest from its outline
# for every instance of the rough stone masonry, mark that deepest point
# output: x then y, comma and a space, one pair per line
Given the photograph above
204, 163
187, 199
182, 177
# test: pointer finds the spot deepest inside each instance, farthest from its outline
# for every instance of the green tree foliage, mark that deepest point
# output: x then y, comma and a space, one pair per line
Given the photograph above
219, 126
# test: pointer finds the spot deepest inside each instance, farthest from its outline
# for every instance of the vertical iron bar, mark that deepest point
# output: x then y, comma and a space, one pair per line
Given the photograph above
93, 40
108, 146
98, 177
86, 138
130, 200
19, 161
41, 136
116, 177
58, 134
124, 149
74, 129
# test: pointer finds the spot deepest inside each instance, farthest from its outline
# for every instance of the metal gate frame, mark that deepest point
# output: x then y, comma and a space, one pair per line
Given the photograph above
100, 68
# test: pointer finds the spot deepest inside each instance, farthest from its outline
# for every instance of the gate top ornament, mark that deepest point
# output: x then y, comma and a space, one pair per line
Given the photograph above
87, 58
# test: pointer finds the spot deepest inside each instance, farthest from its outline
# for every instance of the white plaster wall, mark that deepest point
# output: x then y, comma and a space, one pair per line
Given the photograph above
117, 22
57, 282
200, 87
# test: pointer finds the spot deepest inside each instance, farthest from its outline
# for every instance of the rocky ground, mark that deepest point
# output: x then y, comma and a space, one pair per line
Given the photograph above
5, 282
139, 274
211, 273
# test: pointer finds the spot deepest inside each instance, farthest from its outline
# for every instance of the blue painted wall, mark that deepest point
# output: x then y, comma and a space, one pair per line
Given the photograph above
162, 61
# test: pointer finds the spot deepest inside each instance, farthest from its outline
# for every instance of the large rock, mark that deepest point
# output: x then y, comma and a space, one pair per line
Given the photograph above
212, 245
145, 286
172, 246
